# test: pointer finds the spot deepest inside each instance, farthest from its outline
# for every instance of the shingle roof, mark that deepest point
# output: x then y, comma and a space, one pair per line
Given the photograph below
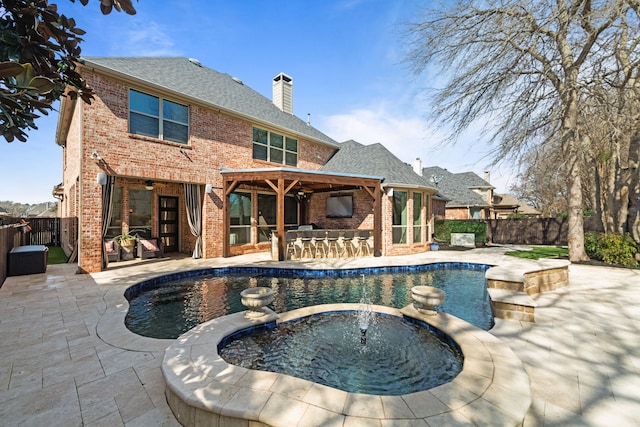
193, 80
374, 159
457, 186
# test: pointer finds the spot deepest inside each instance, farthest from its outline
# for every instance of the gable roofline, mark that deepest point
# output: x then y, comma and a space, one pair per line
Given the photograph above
278, 120
376, 159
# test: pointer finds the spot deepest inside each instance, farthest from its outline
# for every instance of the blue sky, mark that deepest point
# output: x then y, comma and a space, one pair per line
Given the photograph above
345, 57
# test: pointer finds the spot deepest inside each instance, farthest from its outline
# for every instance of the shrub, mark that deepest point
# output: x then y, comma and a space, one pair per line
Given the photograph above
611, 248
444, 227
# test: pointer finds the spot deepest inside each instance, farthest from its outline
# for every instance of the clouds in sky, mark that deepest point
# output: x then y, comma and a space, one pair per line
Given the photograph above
345, 57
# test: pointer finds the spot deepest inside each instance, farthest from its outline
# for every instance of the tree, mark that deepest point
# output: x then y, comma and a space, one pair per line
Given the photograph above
38, 50
523, 67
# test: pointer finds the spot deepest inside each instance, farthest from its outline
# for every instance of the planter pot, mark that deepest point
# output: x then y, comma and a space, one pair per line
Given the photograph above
126, 247
426, 298
255, 299
434, 246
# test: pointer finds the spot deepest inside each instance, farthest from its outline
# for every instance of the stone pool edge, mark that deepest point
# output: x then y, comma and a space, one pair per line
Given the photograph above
201, 387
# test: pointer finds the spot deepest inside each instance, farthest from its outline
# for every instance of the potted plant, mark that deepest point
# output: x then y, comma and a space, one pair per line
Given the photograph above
127, 242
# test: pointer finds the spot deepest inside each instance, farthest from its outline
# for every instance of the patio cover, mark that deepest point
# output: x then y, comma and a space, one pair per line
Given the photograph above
286, 180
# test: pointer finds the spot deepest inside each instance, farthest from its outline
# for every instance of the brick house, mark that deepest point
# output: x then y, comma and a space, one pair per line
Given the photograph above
468, 196
172, 149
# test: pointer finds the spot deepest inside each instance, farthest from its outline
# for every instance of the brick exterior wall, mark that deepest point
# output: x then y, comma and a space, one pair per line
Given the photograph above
216, 140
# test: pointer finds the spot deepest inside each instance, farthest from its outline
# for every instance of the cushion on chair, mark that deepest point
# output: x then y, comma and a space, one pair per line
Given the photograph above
109, 246
149, 245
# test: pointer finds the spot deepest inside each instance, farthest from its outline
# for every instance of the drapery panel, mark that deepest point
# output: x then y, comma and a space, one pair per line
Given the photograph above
107, 199
193, 199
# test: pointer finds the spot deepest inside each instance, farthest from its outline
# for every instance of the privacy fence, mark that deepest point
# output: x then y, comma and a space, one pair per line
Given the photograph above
30, 231
529, 231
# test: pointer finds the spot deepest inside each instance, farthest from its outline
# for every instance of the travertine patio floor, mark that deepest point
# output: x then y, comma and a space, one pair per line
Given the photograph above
58, 367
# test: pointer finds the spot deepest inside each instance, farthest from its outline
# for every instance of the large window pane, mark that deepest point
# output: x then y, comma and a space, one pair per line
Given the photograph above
259, 152
260, 135
240, 218
170, 123
290, 211
291, 144
417, 217
175, 132
274, 148
276, 140
115, 226
275, 155
175, 112
143, 125
140, 208
144, 103
400, 216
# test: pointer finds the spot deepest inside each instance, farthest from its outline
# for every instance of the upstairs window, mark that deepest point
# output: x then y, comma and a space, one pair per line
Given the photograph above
158, 118
275, 148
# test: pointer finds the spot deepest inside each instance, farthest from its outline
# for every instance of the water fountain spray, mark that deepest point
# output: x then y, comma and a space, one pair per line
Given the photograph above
364, 313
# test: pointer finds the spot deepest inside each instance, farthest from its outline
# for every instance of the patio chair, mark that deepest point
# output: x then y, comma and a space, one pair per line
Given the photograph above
363, 243
307, 243
319, 237
332, 243
347, 244
290, 238
112, 248
151, 247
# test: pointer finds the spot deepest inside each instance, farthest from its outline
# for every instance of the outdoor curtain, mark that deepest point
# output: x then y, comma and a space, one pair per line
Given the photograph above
107, 198
193, 199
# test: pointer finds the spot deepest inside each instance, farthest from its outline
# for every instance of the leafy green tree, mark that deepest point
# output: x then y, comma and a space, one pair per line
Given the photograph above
38, 50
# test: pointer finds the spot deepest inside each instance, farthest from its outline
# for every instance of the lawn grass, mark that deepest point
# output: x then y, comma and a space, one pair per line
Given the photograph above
56, 255
538, 252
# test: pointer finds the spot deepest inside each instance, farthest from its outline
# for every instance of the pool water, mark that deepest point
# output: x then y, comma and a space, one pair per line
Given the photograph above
398, 357
167, 309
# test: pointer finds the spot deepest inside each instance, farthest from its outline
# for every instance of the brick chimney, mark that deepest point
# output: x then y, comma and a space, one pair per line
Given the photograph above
283, 92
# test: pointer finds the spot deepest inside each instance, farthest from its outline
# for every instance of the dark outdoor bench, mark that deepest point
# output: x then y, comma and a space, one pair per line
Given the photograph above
30, 259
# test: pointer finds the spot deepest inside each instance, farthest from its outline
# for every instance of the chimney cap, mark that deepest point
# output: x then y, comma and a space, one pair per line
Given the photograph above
283, 76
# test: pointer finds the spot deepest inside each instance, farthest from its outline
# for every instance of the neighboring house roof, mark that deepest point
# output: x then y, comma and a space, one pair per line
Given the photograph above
458, 186
188, 78
375, 160
507, 200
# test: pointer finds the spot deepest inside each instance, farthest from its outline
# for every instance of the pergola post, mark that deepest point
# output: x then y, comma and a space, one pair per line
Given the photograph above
280, 219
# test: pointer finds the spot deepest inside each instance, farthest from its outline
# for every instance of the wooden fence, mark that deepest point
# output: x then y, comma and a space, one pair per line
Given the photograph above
10, 237
43, 230
533, 231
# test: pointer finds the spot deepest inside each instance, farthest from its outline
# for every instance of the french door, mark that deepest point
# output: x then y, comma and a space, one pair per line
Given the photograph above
168, 222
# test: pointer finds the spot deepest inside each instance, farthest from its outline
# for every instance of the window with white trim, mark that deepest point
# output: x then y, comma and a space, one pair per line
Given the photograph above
158, 118
275, 148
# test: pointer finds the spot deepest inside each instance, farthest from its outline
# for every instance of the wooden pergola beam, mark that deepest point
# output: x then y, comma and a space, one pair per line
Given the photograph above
283, 180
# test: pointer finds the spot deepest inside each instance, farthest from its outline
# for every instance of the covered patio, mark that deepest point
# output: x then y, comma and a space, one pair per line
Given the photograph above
304, 185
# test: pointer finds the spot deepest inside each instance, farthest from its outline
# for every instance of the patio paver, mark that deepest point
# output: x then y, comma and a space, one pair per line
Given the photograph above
582, 354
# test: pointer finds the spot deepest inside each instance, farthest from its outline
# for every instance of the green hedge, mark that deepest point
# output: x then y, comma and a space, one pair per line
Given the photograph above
444, 227
611, 248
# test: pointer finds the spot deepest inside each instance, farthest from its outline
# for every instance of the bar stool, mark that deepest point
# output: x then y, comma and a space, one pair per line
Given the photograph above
363, 243
347, 244
290, 238
332, 243
307, 243
319, 236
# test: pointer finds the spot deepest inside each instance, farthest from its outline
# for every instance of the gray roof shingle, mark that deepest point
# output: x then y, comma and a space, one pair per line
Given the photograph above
457, 186
193, 80
376, 160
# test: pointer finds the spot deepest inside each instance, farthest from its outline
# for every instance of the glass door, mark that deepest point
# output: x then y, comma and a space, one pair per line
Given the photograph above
168, 222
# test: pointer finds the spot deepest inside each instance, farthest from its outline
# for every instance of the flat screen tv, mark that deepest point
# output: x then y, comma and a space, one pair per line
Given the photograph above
340, 206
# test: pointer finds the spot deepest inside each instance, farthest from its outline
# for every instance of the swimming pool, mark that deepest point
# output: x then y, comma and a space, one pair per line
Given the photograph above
168, 306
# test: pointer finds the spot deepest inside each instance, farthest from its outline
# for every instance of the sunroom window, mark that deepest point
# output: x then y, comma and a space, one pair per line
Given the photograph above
274, 147
158, 118
399, 226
